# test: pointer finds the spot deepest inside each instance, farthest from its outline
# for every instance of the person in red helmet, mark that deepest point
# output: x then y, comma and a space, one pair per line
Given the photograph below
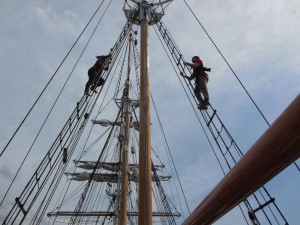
201, 80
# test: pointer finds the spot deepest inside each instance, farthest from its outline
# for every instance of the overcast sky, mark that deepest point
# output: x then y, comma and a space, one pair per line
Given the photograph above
259, 39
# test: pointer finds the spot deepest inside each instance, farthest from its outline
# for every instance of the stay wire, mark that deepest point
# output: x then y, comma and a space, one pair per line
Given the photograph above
265, 119
118, 51
210, 143
227, 64
43, 183
136, 59
46, 201
111, 129
121, 72
168, 147
205, 133
119, 54
98, 95
67, 188
74, 142
88, 185
64, 59
208, 139
98, 25
48, 115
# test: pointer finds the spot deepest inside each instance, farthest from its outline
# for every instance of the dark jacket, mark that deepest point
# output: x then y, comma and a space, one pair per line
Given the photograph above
200, 71
99, 66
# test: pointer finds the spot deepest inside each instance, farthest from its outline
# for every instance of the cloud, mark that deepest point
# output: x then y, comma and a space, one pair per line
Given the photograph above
259, 39
6, 173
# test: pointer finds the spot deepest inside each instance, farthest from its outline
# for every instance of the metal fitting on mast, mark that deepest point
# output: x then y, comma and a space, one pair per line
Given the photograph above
144, 10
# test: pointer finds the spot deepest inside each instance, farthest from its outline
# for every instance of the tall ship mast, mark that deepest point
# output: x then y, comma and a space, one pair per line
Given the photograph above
105, 164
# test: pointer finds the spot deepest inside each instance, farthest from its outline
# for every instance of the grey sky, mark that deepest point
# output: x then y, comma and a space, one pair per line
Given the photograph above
259, 38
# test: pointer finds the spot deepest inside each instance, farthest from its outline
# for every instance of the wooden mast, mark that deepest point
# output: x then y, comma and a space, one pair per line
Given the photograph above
143, 16
277, 148
125, 169
145, 194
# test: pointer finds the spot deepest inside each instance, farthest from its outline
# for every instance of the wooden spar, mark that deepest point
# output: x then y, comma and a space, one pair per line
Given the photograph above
145, 194
125, 167
277, 148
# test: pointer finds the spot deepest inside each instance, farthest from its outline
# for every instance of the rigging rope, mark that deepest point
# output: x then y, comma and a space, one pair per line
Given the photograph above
162, 195
83, 196
102, 101
46, 164
228, 64
198, 118
121, 72
81, 103
54, 104
256, 106
118, 46
64, 59
169, 151
49, 160
82, 200
178, 58
136, 59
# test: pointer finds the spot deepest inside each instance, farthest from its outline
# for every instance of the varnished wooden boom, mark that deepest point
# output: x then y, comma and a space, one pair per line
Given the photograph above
277, 148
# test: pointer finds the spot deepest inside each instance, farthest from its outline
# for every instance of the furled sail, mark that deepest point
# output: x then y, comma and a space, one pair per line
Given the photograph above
114, 167
109, 177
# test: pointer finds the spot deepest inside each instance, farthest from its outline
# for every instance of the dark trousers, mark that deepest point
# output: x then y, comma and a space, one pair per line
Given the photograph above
94, 79
201, 88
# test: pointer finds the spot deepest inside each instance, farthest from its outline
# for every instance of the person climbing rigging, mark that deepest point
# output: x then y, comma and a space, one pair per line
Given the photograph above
201, 79
94, 73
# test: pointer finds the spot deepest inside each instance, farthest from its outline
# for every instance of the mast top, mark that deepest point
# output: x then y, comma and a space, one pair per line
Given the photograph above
144, 10
152, 4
